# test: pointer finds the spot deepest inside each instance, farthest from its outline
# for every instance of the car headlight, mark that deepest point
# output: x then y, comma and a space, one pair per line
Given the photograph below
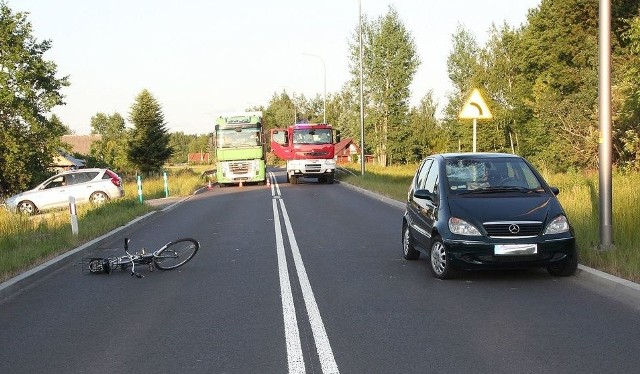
462, 227
557, 226
11, 201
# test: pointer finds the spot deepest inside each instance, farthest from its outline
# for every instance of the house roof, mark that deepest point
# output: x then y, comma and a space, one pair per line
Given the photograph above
80, 143
342, 144
65, 160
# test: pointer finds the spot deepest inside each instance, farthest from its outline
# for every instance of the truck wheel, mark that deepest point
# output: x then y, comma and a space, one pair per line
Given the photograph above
293, 179
330, 179
322, 180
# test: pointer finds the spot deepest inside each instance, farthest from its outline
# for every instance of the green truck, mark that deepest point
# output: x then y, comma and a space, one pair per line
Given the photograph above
240, 149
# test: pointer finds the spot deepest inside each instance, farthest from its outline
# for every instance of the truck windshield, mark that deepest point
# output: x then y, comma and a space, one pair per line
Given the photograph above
233, 139
312, 136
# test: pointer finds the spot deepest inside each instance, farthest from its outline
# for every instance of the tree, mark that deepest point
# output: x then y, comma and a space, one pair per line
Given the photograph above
463, 67
343, 111
425, 135
281, 112
111, 149
29, 89
149, 143
626, 89
559, 61
390, 61
183, 144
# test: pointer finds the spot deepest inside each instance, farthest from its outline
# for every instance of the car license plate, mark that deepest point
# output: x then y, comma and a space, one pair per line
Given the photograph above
515, 249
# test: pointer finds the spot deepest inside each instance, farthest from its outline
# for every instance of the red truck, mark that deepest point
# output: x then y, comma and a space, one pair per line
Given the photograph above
309, 150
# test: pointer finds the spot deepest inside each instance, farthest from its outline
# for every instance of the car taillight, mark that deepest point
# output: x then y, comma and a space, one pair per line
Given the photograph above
115, 179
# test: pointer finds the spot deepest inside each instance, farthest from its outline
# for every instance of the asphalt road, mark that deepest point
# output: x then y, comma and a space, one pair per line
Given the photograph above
306, 278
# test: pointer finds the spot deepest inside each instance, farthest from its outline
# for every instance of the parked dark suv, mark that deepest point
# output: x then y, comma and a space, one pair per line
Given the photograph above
469, 211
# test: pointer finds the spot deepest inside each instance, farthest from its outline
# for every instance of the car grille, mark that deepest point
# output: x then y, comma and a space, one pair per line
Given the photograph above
513, 229
511, 259
312, 168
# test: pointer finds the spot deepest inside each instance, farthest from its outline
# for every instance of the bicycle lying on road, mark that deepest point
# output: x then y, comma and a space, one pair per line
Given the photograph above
171, 256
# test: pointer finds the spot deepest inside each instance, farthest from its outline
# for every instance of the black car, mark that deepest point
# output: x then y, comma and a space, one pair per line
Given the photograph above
470, 211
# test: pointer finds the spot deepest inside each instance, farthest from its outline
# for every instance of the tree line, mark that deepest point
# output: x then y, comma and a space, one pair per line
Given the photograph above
539, 79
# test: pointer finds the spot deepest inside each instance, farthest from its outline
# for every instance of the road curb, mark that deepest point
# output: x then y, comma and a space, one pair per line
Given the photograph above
393, 202
623, 289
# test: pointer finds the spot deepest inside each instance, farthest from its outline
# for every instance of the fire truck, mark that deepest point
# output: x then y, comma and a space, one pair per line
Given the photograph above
308, 149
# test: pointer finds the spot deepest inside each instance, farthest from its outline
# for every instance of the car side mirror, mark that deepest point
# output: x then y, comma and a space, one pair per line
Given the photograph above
555, 190
424, 194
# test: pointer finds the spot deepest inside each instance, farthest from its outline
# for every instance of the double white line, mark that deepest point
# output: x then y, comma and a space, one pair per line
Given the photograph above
292, 335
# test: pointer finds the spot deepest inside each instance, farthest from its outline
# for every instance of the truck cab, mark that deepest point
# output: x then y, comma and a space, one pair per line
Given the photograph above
308, 149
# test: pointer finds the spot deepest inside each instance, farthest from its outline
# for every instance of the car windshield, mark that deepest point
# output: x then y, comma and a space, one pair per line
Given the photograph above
490, 175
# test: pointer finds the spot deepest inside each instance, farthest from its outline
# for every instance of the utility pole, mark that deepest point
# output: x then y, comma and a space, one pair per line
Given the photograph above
362, 159
605, 143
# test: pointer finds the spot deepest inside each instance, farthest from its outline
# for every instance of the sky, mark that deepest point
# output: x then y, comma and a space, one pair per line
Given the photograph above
199, 58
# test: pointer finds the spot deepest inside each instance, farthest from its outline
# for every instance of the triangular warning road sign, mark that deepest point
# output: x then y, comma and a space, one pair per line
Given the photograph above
475, 107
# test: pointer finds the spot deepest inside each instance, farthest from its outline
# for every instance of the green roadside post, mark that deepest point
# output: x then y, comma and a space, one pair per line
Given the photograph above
166, 185
140, 188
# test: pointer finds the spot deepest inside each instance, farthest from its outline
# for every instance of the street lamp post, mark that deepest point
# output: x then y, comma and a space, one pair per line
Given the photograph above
605, 146
324, 100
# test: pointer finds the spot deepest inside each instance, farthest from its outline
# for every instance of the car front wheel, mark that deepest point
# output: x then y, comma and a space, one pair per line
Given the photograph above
27, 207
438, 261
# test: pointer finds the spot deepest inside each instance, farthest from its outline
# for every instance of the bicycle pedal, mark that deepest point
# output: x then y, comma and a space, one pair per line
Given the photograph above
150, 267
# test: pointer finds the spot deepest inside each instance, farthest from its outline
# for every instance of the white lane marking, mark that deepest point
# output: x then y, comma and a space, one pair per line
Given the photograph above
275, 187
272, 180
325, 353
291, 333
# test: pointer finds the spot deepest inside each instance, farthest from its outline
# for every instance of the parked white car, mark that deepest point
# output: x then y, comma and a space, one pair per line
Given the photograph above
96, 186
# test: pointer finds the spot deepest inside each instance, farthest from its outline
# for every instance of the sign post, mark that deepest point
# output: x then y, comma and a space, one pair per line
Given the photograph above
74, 215
475, 108
140, 189
166, 185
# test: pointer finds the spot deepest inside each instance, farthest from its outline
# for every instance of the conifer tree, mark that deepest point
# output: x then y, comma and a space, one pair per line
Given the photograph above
149, 147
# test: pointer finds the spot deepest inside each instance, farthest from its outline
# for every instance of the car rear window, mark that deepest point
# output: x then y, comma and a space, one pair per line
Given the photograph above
108, 174
83, 177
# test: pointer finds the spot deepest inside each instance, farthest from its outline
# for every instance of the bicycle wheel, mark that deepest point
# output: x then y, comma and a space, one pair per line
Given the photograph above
176, 253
